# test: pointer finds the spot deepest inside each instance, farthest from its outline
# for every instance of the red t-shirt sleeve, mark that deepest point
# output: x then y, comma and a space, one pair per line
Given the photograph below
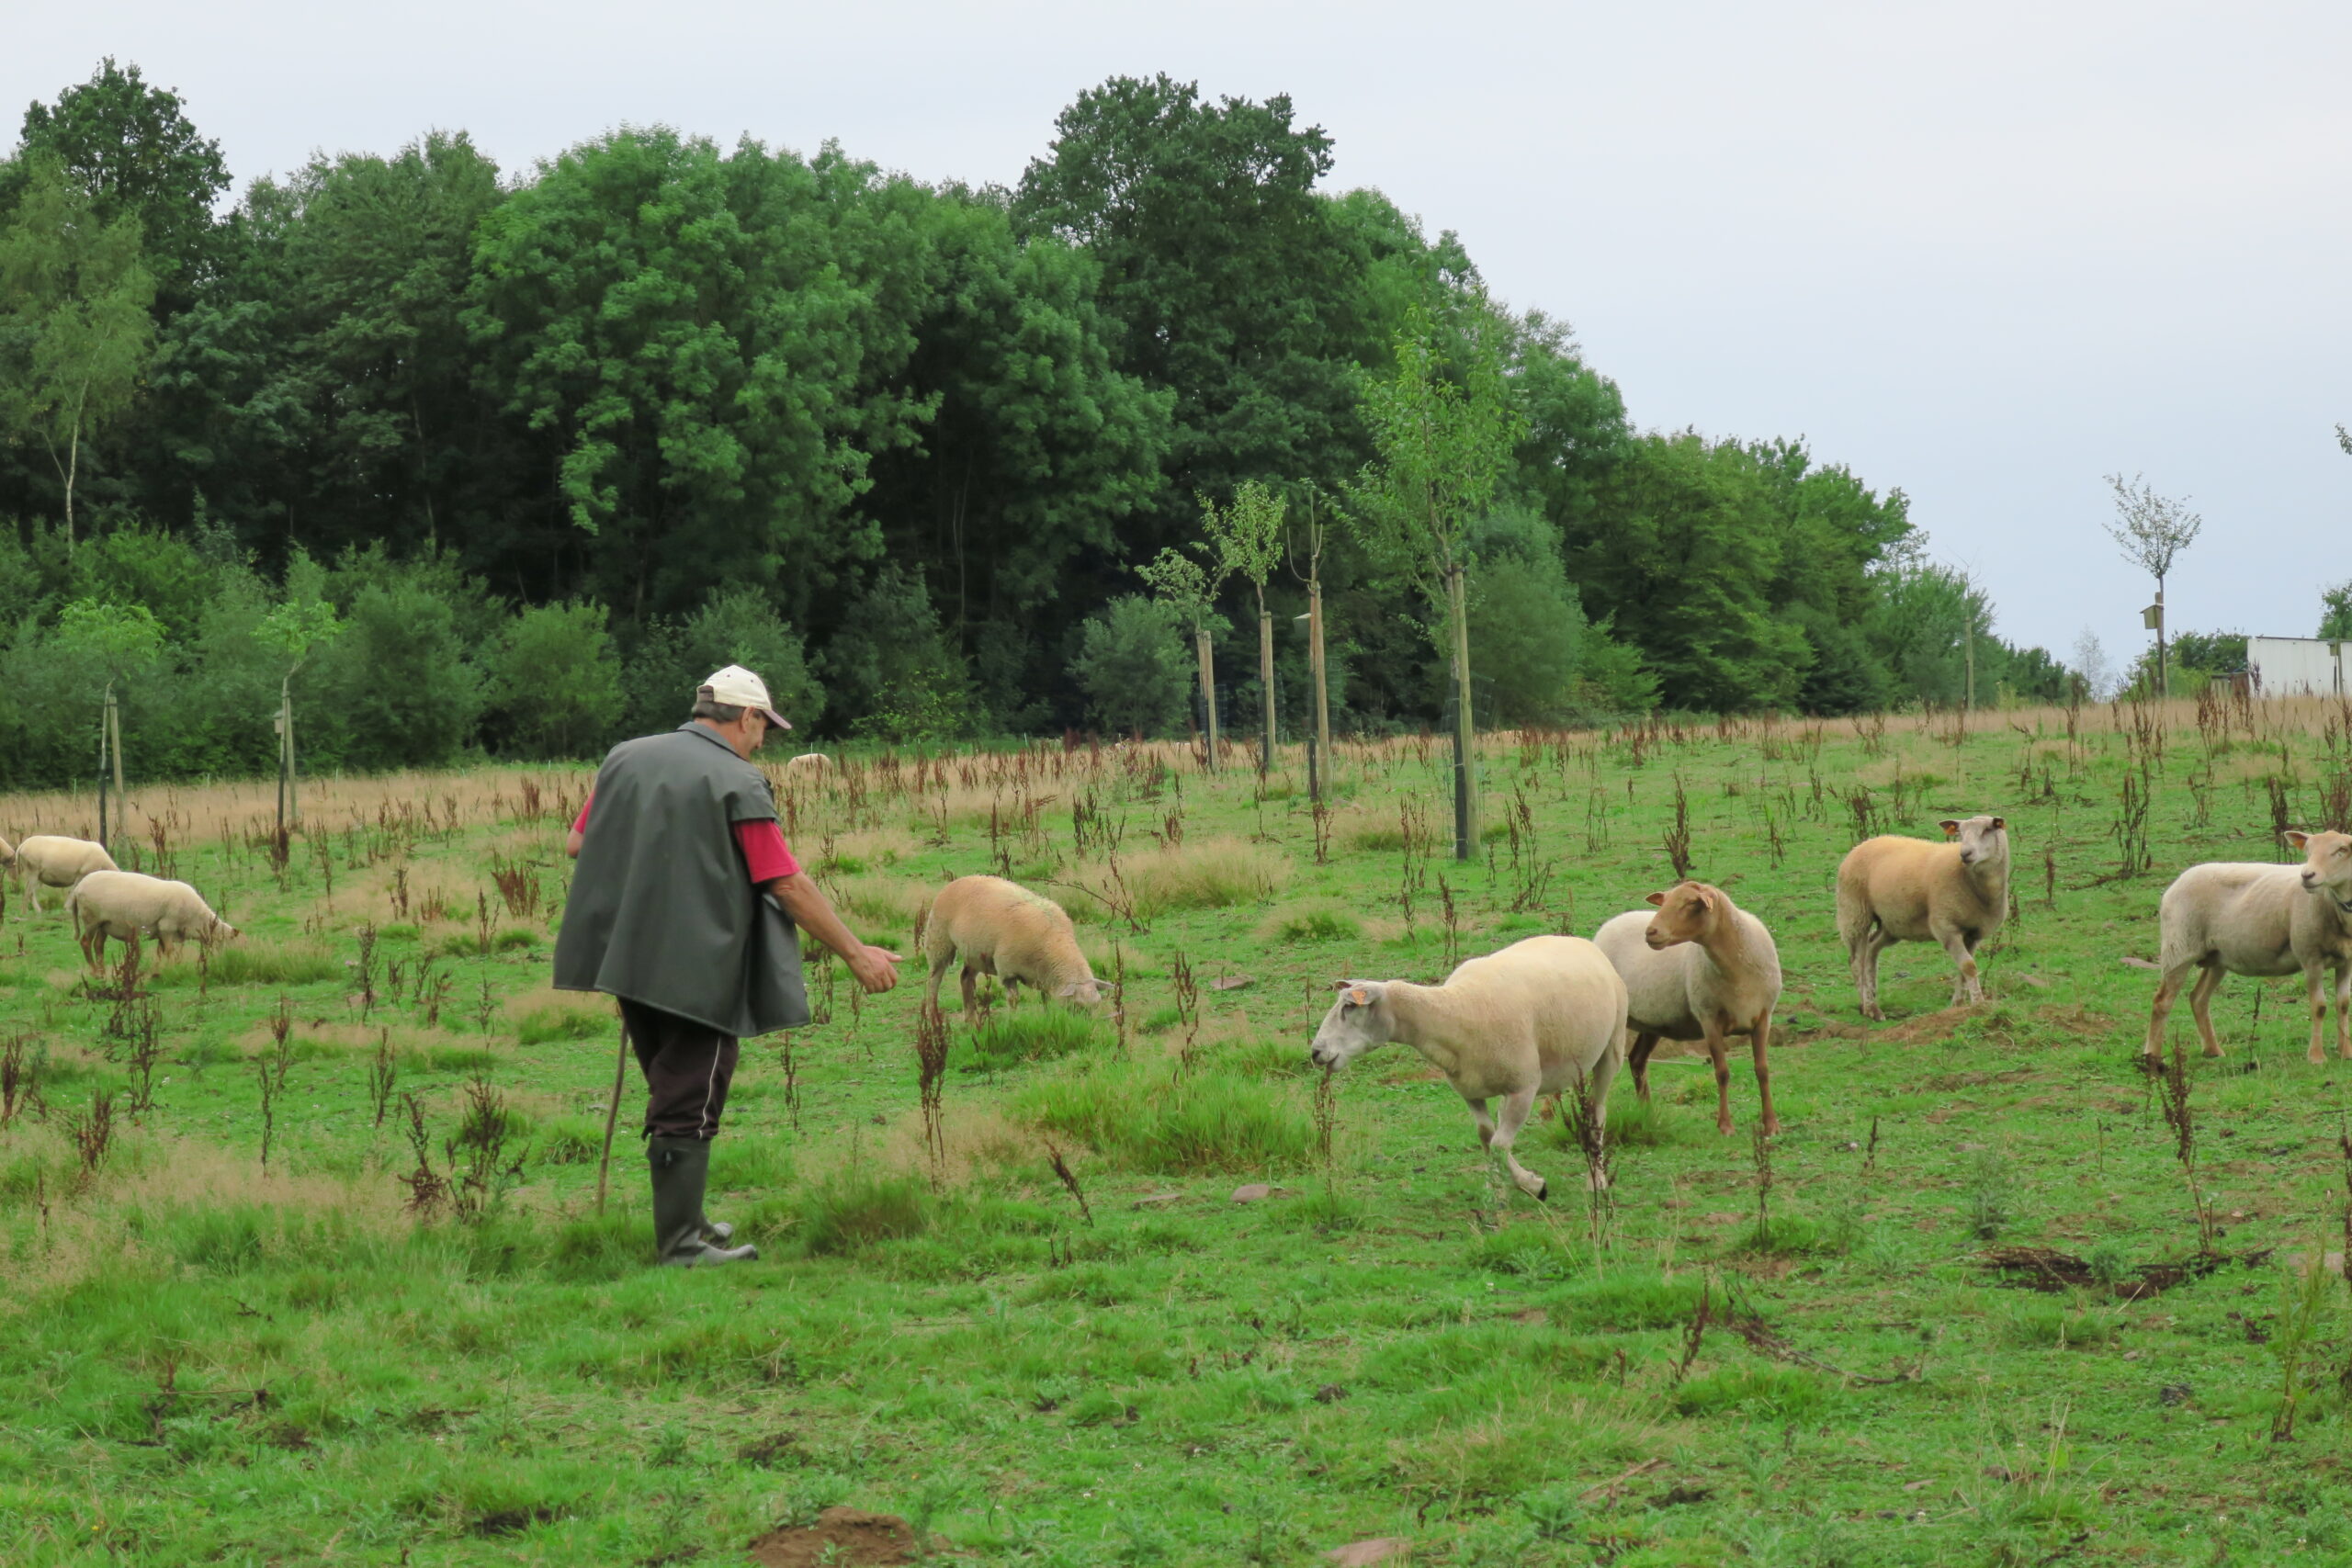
580, 823
764, 851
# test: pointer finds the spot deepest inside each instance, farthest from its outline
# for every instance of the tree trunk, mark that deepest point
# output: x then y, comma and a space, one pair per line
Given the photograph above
1208, 693
1466, 734
104, 735
1314, 658
114, 735
2163, 669
73, 467
1266, 682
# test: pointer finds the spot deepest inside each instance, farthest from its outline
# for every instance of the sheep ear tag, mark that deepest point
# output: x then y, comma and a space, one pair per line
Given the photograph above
2000, 824
1951, 828
1359, 996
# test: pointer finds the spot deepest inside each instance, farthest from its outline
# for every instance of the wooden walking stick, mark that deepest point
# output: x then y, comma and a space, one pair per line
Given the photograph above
612, 1116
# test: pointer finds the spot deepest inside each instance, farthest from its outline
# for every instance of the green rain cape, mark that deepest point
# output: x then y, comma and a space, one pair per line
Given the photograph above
660, 910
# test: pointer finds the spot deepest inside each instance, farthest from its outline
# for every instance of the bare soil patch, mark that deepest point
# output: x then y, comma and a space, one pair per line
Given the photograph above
842, 1538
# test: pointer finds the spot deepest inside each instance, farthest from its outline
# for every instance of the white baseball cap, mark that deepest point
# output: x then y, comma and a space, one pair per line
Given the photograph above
738, 688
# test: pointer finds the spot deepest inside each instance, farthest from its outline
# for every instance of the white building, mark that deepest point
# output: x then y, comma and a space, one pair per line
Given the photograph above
2298, 666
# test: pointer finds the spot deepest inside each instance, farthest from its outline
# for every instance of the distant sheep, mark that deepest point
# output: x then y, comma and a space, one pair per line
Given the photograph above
47, 861
1537, 1018
1002, 929
2253, 918
809, 763
120, 904
1955, 894
1701, 968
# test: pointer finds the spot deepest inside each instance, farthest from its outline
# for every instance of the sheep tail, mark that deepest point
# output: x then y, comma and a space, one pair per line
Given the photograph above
1855, 916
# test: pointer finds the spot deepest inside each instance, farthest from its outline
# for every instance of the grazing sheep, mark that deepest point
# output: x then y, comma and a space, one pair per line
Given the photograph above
1701, 968
1894, 889
2260, 919
1537, 1018
809, 763
120, 904
1002, 929
47, 861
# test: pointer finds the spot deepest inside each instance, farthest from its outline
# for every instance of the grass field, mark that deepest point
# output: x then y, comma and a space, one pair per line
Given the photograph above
303, 1261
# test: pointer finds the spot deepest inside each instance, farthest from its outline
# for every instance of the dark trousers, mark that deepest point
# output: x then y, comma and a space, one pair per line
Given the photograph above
688, 1067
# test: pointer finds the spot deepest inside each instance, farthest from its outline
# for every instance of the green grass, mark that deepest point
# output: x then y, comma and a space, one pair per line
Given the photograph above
1036, 1031
1391, 1343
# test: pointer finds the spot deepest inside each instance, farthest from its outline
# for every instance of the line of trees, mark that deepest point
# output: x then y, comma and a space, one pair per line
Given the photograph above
540, 444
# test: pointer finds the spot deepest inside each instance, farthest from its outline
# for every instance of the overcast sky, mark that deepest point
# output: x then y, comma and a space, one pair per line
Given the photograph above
1985, 254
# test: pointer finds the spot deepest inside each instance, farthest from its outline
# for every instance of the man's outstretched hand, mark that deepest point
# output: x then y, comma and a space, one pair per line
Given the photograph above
873, 968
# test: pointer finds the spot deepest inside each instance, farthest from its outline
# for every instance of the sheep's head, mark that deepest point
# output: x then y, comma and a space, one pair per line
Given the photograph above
2327, 864
1683, 913
1979, 838
1358, 1021
1088, 992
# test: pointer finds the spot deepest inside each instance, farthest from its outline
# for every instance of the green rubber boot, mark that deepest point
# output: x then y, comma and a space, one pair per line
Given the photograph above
681, 1168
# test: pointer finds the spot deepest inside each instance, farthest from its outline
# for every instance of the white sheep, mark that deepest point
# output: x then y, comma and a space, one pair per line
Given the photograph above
809, 763
2253, 918
1002, 929
1537, 1018
1955, 894
1700, 969
45, 860
120, 904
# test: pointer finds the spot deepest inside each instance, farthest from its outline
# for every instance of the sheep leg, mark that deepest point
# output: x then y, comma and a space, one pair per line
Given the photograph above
1723, 1078
1638, 1058
1485, 1123
2318, 1000
939, 967
1515, 1109
2200, 1004
1759, 1042
2166, 989
1874, 942
971, 991
1604, 1073
1008, 982
1965, 987
2342, 1001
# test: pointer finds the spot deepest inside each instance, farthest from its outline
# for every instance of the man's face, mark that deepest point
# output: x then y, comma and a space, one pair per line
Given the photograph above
755, 730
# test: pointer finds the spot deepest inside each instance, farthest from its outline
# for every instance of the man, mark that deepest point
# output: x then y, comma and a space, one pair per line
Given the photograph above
685, 908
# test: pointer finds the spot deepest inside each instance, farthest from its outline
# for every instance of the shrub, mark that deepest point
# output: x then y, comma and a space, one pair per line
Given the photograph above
1208, 875
1322, 922
1134, 666
559, 1022
254, 963
1626, 1301
1783, 1394
398, 688
1206, 1120
857, 1208
536, 716
736, 626
1040, 1032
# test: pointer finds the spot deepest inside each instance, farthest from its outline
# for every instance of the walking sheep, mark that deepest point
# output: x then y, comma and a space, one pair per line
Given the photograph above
1538, 1016
1956, 893
120, 904
2253, 918
47, 861
1002, 929
1701, 968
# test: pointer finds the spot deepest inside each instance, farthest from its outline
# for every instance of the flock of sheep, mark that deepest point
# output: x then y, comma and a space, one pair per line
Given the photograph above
103, 901
1552, 1014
